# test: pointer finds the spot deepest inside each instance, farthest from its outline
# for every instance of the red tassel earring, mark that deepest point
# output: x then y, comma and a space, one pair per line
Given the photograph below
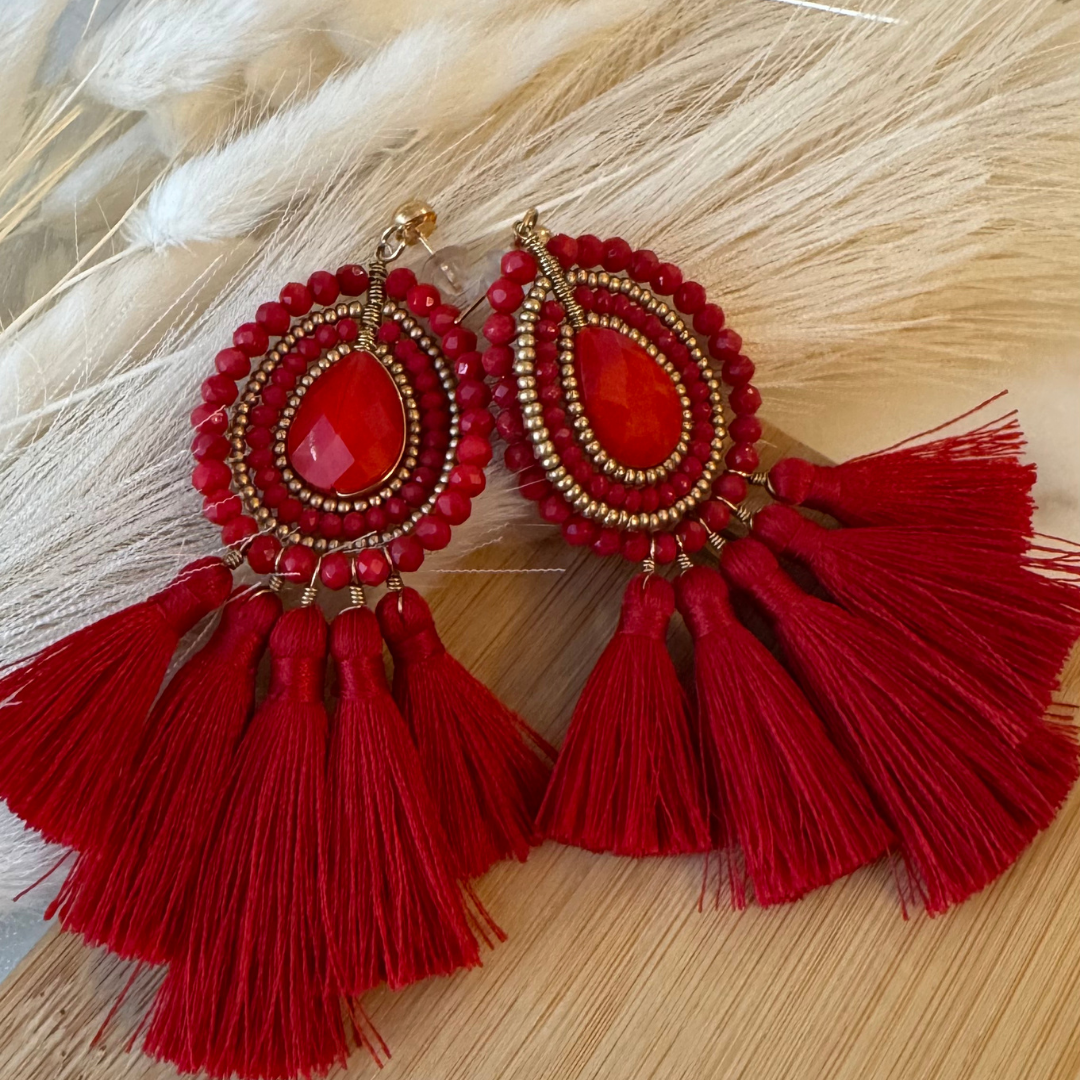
133, 893
279, 858
909, 713
396, 913
72, 716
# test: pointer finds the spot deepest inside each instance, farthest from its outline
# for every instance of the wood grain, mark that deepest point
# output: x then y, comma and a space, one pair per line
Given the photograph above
611, 972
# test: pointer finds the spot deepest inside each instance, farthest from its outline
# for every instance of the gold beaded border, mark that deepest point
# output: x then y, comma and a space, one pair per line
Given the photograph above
241, 479
532, 410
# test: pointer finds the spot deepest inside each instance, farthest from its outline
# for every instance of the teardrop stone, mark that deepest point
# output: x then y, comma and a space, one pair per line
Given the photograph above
349, 429
631, 403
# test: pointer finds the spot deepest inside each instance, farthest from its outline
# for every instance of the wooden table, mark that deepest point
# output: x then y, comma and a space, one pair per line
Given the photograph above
611, 972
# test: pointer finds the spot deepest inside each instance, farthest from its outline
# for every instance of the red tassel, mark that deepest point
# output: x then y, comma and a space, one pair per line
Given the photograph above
627, 779
1006, 629
394, 910
800, 817
974, 480
480, 759
963, 801
249, 996
73, 714
135, 894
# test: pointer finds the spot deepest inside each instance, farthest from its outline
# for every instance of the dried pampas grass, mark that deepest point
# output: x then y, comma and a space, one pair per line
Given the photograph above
876, 204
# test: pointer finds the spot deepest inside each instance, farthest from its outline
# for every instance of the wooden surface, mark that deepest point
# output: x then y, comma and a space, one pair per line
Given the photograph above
611, 972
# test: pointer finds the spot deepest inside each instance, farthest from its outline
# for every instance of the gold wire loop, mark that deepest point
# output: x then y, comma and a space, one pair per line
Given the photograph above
684, 561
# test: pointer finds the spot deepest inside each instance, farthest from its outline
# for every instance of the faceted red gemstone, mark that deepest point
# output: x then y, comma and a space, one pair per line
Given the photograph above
630, 401
335, 570
349, 430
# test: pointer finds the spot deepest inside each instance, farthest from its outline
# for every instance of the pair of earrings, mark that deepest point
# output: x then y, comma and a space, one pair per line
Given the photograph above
282, 861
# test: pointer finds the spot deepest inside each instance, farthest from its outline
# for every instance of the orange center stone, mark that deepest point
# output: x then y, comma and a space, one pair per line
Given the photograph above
631, 403
349, 429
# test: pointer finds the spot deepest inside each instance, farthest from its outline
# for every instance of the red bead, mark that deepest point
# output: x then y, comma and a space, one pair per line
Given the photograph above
376, 519
519, 266
693, 536
457, 340
308, 348
666, 280
432, 532
608, 542
644, 264
259, 437
730, 487
309, 521
453, 505
348, 329
289, 510
296, 299
208, 445
715, 515
737, 370
690, 297
742, 457
353, 525
666, 494
238, 530
326, 336
682, 483
442, 317
399, 282
553, 509
349, 430
579, 531
233, 362
372, 567
650, 500
590, 250
274, 496
665, 548
745, 429
631, 403
413, 493
709, 319
499, 328
251, 339
472, 394
388, 333
724, 343
221, 506
518, 456
210, 475
352, 279
479, 421
745, 400
323, 286
330, 526
564, 248
274, 318
298, 563
262, 554
533, 483
505, 295
617, 255
422, 299
397, 509
335, 570
474, 450
616, 496
407, 553
635, 546
469, 480
692, 468
283, 377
